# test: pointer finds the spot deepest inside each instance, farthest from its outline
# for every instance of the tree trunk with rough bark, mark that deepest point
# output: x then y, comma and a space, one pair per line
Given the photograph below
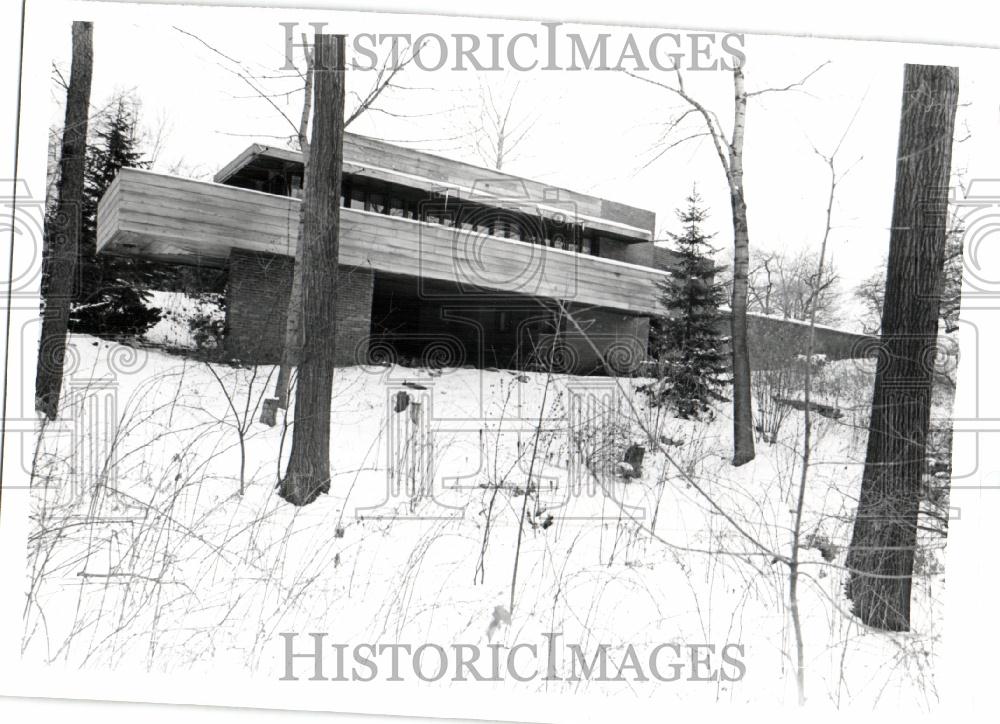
62, 233
308, 472
743, 434
880, 558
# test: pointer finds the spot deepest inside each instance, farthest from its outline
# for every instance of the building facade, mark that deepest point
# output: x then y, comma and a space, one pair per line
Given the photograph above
441, 262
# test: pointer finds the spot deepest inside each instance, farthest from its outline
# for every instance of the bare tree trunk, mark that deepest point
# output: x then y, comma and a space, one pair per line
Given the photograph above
293, 329
293, 322
880, 559
308, 472
743, 444
730, 153
62, 236
293, 325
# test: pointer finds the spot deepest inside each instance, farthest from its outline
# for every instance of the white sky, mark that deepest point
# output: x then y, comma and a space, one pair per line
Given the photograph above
594, 132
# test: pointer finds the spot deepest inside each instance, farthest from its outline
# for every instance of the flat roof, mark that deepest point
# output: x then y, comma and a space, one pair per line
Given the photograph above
370, 157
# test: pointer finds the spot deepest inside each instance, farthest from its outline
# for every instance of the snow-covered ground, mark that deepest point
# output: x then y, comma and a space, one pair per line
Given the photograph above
145, 553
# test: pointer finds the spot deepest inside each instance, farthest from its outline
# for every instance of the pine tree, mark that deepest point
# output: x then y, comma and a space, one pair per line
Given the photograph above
111, 297
690, 350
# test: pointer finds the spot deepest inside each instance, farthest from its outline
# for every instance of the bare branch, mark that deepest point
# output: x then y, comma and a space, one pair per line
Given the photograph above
719, 137
792, 86
244, 76
382, 81
59, 77
210, 47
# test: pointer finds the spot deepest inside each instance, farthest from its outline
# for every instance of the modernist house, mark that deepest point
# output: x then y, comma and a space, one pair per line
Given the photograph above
440, 261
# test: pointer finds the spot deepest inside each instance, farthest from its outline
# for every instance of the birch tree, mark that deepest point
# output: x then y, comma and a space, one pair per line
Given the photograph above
743, 444
729, 150
289, 352
501, 124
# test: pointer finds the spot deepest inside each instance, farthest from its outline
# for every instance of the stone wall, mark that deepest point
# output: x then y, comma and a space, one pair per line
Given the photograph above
354, 315
773, 342
257, 303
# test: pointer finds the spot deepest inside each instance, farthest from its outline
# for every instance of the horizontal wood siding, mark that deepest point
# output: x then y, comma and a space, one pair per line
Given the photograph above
377, 159
174, 218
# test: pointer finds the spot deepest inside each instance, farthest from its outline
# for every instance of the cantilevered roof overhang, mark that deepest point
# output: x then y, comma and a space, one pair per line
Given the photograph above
383, 161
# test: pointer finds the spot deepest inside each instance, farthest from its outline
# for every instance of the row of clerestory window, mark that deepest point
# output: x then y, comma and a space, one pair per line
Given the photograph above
557, 231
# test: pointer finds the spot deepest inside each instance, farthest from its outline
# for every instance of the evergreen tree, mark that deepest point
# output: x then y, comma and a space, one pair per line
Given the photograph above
690, 349
111, 297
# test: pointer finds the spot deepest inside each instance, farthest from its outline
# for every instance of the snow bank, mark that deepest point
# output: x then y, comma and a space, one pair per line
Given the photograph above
173, 569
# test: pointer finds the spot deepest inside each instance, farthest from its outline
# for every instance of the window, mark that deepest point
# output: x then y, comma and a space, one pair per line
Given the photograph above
376, 203
449, 210
276, 184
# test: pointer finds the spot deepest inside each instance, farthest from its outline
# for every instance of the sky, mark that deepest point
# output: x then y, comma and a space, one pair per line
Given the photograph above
598, 132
